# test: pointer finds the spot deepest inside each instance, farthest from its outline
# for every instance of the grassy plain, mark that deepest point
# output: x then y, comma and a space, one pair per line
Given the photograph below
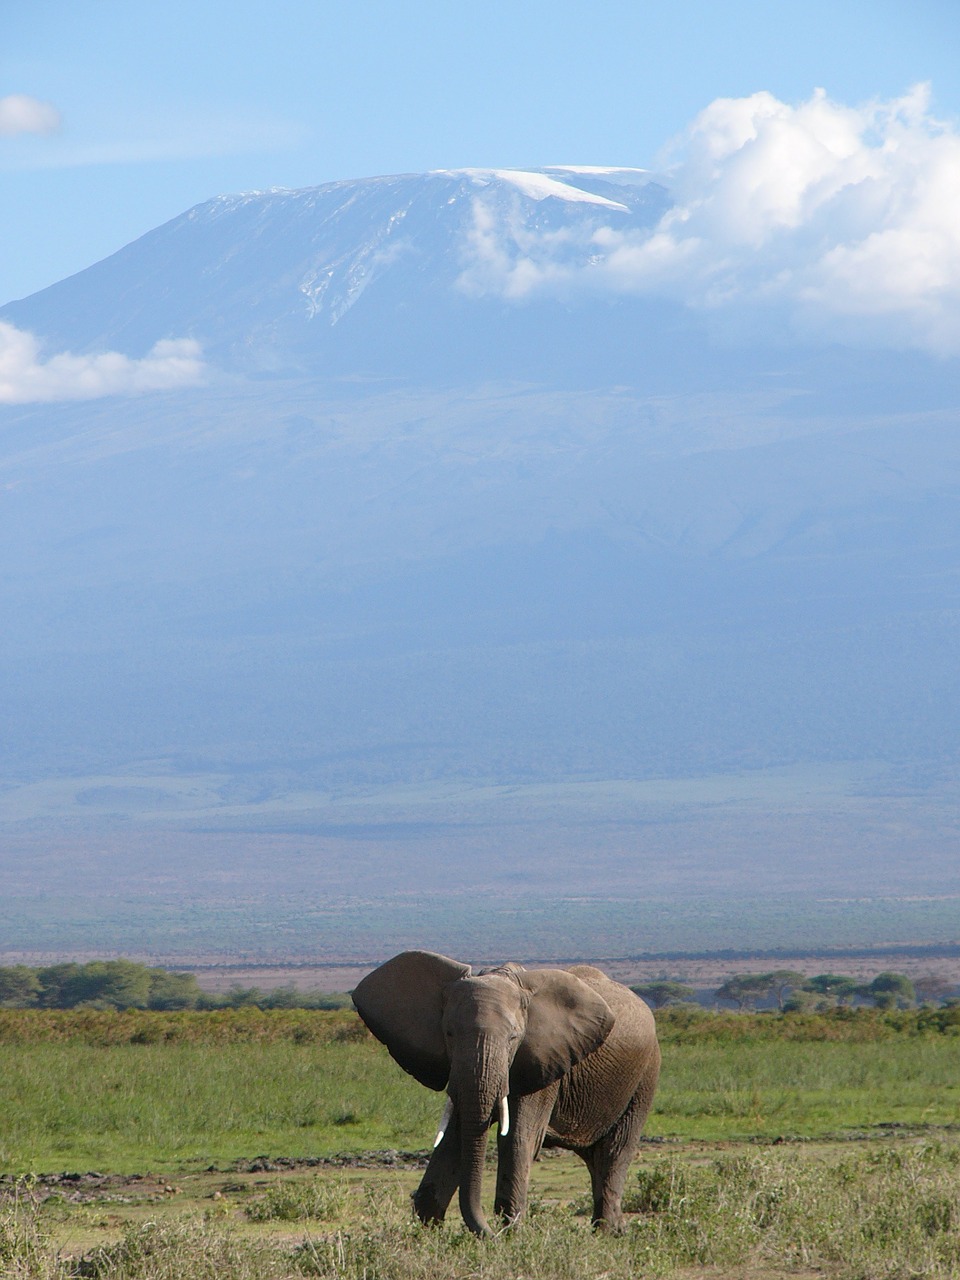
239, 1144
121, 1092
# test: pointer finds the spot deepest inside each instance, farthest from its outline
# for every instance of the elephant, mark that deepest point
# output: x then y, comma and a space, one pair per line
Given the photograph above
558, 1057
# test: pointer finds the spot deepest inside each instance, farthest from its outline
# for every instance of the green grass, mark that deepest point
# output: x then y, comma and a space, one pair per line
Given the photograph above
263, 1083
125, 1108
715, 1090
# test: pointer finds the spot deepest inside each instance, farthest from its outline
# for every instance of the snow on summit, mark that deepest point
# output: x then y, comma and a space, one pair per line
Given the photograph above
534, 185
614, 172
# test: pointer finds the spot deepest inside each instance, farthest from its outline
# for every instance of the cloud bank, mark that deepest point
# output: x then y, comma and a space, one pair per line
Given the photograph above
26, 378
821, 219
22, 114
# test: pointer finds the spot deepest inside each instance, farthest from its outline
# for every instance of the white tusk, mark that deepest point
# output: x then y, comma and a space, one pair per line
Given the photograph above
504, 1117
444, 1121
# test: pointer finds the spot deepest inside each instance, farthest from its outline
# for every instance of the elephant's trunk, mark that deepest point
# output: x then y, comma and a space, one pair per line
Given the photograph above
472, 1155
478, 1107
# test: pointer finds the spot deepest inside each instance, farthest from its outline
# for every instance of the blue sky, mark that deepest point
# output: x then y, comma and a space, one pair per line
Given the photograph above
164, 104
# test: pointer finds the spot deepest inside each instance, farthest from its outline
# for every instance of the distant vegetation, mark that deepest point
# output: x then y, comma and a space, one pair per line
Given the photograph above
124, 984
685, 1023
793, 992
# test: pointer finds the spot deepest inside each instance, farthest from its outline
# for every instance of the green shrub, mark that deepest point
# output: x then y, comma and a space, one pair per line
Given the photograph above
294, 1202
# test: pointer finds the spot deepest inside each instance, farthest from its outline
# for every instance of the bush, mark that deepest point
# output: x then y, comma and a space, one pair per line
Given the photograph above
690, 1023
295, 1202
187, 1026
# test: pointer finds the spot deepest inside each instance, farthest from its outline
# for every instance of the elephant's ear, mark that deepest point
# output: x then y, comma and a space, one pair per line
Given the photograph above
566, 1020
402, 1004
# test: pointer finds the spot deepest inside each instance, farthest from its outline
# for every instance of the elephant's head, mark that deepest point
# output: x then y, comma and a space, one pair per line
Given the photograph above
506, 1031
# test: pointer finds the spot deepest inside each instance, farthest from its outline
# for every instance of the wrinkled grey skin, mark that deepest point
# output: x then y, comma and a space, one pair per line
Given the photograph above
575, 1053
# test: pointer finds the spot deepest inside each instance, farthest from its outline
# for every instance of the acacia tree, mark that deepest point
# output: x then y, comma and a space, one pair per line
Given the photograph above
745, 989
172, 990
19, 987
803, 1001
930, 987
56, 982
660, 993
891, 991
833, 986
782, 981
117, 984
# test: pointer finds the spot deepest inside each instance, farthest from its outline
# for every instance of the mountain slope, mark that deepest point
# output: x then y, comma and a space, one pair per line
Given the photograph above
481, 583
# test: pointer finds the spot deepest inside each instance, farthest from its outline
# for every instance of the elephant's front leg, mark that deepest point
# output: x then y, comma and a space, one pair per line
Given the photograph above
529, 1117
441, 1178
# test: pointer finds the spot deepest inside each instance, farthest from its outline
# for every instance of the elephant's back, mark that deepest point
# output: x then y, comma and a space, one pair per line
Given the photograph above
598, 1090
634, 1020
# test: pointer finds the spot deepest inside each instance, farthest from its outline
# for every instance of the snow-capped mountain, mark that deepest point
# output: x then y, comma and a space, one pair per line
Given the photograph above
468, 527
390, 274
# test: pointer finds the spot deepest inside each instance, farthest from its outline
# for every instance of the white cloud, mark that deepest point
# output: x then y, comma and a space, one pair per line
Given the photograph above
174, 134
507, 257
22, 114
840, 221
25, 377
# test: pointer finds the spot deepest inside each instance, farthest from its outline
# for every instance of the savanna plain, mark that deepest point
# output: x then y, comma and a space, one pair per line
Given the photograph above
247, 1142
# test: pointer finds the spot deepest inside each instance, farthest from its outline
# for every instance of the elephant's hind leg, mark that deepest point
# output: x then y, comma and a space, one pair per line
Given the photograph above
441, 1178
609, 1161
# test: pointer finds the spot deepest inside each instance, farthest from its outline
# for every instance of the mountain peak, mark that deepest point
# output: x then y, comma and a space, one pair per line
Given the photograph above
267, 281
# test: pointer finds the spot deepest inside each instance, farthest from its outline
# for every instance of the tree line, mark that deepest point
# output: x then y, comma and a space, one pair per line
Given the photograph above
793, 992
125, 984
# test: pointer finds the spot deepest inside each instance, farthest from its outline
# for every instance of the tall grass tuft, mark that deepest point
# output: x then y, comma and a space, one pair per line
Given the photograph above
26, 1252
184, 1251
320, 1199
